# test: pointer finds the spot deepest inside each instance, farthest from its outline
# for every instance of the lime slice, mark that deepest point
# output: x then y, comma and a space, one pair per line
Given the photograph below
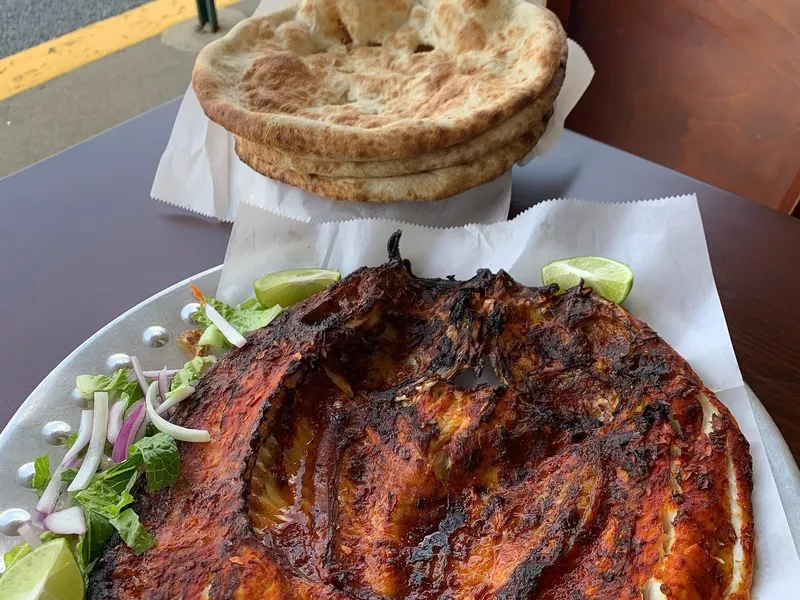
611, 279
48, 573
290, 287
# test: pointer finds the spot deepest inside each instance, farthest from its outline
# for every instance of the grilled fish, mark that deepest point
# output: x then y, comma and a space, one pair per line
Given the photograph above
353, 457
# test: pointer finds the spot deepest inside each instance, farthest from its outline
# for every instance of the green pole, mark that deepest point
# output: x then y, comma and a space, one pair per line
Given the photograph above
202, 13
211, 11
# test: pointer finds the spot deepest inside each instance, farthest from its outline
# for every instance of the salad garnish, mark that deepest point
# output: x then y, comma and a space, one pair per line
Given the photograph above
125, 434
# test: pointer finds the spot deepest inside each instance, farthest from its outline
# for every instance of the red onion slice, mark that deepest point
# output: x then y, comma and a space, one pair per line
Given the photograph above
154, 374
137, 370
96, 444
131, 408
130, 427
28, 534
177, 396
66, 522
53, 490
225, 328
176, 431
163, 384
115, 414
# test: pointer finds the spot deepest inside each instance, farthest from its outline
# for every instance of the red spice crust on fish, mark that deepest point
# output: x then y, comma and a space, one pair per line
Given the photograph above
351, 458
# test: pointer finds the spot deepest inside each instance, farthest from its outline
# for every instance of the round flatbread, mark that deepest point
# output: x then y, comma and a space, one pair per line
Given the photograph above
428, 185
379, 79
532, 119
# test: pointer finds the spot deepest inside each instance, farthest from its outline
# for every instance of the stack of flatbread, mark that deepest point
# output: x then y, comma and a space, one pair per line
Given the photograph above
386, 100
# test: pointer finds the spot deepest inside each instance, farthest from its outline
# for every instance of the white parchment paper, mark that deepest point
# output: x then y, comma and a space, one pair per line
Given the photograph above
200, 171
674, 292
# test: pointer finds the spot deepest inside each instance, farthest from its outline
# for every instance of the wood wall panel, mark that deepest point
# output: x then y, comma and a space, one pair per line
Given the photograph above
710, 88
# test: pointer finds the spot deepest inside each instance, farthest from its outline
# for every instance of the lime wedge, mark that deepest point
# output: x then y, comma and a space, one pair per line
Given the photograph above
611, 279
48, 573
290, 287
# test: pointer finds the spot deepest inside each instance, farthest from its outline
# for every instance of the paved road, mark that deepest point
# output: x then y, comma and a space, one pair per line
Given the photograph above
26, 23
38, 122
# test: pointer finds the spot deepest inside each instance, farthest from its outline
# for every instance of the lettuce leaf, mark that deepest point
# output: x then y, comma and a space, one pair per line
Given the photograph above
119, 477
41, 474
120, 385
159, 453
103, 500
70, 441
91, 544
107, 498
246, 317
67, 475
132, 532
190, 372
23, 549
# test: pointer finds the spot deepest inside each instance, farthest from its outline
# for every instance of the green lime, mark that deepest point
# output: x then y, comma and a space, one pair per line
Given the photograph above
611, 279
48, 573
290, 287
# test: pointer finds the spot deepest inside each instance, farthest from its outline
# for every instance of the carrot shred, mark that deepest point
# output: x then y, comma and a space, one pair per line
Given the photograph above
197, 293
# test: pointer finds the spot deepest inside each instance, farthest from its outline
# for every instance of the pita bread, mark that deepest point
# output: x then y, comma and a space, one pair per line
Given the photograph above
378, 79
430, 185
533, 119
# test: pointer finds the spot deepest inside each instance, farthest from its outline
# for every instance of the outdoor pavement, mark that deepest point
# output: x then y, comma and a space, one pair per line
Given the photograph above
26, 23
63, 111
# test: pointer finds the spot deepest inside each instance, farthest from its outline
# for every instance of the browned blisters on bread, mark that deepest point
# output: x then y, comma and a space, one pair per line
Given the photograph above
472, 37
532, 118
352, 459
465, 45
295, 37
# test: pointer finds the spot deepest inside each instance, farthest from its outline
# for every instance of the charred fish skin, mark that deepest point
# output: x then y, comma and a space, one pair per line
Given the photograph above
347, 461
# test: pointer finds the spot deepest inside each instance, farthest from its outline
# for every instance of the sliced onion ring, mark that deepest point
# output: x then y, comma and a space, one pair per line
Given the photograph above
53, 490
66, 522
137, 370
130, 427
115, 414
225, 328
96, 444
178, 396
27, 533
179, 433
163, 388
154, 374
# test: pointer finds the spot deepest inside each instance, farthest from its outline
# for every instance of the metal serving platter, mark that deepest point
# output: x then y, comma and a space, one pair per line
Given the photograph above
21, 441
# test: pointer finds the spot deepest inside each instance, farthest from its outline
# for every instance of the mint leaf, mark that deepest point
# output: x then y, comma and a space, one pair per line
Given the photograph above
191, 371
120, 385
41, 474
103, 499
161, 460
132, 532
91, 544
246, 317
67, 475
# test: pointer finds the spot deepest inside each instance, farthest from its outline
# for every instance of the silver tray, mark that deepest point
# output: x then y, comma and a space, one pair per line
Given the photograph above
21, 440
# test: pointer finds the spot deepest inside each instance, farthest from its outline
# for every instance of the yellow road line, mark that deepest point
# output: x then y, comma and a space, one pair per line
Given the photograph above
41, 63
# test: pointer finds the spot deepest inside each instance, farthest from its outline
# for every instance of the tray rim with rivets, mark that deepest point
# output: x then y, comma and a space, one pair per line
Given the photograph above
53, 400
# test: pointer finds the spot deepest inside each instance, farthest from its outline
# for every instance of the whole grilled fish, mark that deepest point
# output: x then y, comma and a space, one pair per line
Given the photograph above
353, 458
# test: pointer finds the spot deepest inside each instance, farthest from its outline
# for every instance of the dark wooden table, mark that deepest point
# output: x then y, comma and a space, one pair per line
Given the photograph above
81, 242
